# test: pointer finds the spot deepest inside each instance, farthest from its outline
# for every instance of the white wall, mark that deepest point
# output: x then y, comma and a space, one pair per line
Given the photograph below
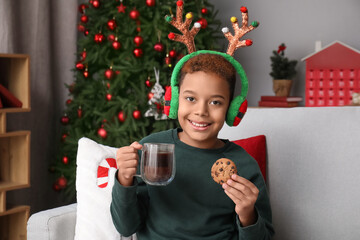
296, 23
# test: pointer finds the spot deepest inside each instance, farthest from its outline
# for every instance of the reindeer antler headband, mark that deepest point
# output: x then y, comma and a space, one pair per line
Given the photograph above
188, 35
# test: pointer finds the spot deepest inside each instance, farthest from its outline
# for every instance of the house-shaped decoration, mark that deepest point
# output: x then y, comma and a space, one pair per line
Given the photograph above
332, 75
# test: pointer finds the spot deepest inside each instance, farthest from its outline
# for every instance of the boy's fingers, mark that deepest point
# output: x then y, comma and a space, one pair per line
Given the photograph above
246, 182
136, 145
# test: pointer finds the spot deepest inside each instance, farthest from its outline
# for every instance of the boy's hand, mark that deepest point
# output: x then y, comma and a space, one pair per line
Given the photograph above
244, 194
127, 161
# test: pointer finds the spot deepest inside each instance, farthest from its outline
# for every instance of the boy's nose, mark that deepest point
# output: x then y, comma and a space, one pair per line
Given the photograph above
202, 109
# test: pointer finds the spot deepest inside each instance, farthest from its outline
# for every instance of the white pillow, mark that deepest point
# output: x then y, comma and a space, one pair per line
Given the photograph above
93, 219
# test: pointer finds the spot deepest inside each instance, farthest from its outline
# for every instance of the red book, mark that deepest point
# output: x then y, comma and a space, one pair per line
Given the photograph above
277, 104
281, 99
8, 99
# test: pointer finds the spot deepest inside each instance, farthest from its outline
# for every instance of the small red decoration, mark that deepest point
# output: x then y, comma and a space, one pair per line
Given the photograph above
111, 24
159, 47
179, 3
61, 182
83, 55
121, 116
108, 96
168, 60
148, 83
109, 73
86, 32
248, 42
116, 45
102, 132
243, 9
81, 28
203, 23
79, 112
86, 73
63, 137
80, 66
82, 8
95, 3
150, 3
134, 14
65, 160
171, 36
138, 40
111, 37
172, 54
69, 101
138, 52
150, 95
64, 120
99, 38
204, 11
56, 187
84, 18
121, 8
136, 114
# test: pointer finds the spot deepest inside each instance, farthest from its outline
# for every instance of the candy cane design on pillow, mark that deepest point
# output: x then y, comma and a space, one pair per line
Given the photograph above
103, 171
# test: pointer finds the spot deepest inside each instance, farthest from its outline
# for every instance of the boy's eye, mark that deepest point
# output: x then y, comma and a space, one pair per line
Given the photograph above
190, 99
215, 102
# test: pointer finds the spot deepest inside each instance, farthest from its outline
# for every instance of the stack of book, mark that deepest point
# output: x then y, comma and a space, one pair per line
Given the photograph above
7, 99
277, 101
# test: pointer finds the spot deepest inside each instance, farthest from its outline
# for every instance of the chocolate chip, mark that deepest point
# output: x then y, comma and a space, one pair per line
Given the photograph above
220, 169
228, 163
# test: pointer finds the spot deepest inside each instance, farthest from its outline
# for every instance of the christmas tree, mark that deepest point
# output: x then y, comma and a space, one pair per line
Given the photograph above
116, 97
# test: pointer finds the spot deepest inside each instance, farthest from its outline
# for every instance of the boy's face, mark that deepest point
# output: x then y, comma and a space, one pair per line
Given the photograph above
203, 103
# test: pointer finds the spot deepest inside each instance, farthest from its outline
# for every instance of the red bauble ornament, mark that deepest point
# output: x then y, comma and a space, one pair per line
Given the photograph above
61, 182
65, 160
148, 83
82, 8
134, 14
159, 47
102, 132
111, 24
108, 85
86, 32
172, 54
116, 45
80, 66
79, 112
108, 96
64, 120
203, 23
136, 114
69, 101
83, 55
86, 73
109, 73
150, 3
138, 40
204, 11
111, 37
99, 38
95, 3
150, 95
84, 18
138, 52
121, 116
81, 28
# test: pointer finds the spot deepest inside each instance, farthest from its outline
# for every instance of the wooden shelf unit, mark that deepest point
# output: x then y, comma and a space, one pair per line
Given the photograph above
14, 147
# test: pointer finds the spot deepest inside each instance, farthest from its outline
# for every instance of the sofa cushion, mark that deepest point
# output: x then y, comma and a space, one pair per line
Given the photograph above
94, 194
256, 147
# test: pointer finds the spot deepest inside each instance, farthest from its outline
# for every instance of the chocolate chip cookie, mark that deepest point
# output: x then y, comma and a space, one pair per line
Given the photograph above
222, 170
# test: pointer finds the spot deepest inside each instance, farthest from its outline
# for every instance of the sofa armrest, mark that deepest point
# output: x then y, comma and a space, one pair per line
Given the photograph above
55, 224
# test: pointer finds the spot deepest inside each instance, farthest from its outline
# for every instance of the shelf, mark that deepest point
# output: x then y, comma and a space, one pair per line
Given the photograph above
13, 223
14, 160
15, 76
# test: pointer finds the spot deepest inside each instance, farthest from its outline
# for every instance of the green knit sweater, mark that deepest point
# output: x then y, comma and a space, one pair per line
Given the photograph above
192, 206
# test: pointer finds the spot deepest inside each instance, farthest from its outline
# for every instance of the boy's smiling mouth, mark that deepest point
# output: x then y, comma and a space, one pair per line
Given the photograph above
200, 125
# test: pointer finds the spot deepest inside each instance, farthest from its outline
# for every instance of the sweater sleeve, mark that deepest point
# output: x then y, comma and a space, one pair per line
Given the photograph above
129, 207
263, 228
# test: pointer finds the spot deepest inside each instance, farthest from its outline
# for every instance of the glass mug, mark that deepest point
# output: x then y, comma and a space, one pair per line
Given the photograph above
157, 166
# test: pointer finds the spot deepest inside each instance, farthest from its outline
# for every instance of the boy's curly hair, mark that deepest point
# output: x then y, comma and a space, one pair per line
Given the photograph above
211, 63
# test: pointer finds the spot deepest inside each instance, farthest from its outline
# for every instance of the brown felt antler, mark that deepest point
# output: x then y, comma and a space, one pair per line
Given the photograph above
188, 35
234, 40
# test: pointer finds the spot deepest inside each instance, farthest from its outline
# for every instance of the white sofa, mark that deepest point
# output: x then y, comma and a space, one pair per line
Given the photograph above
313, 171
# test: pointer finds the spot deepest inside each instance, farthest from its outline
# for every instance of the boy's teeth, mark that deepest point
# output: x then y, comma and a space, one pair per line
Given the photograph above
199, 125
